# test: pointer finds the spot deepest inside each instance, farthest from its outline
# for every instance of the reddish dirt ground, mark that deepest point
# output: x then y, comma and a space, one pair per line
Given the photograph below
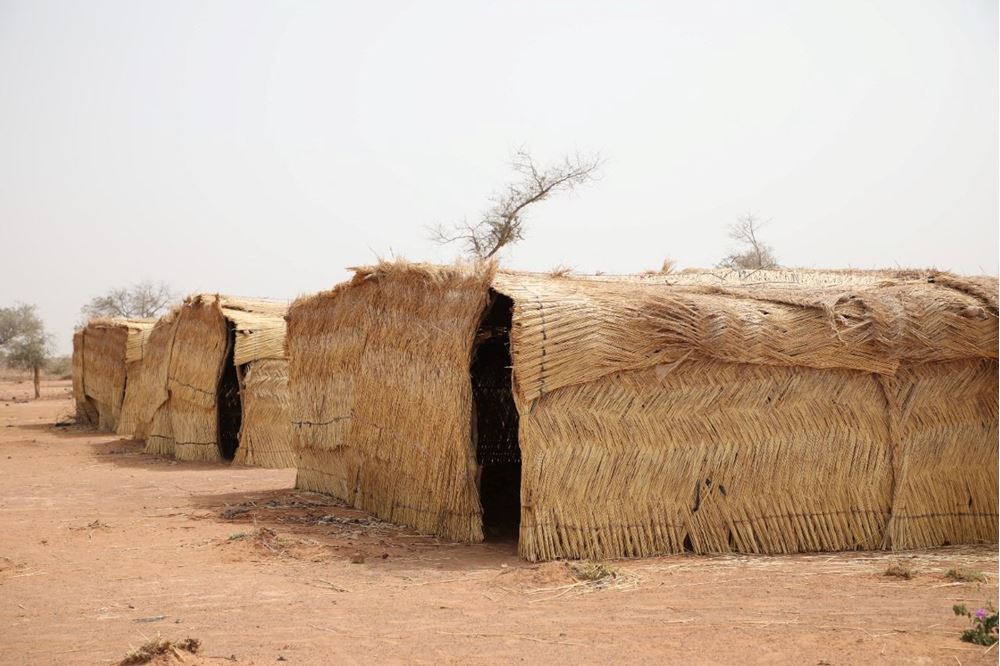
102, 547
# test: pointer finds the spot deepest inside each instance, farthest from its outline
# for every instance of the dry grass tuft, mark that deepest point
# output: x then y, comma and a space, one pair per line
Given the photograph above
668, 267
900, 570
155, 647
594, 572
965, 576
560, 271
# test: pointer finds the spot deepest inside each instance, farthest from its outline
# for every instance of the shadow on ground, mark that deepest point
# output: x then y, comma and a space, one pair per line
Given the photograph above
322, 527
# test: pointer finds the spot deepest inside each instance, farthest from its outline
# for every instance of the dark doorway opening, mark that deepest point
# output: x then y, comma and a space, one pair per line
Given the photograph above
497, 449
228, 402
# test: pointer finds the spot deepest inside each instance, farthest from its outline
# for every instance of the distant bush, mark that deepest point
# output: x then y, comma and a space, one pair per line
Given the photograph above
60, 367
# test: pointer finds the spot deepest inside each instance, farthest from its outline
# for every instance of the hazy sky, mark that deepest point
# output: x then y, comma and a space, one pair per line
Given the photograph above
259, 148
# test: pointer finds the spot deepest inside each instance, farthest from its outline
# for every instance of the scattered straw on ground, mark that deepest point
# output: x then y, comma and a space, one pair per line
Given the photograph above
899, 570
155, 647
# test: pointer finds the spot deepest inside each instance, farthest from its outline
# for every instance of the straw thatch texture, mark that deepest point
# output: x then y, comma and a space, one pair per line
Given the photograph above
762, 412
381, 396
775, 392
265, 433
265, 437
573, 331
718, 455
945, 448
103, 377
201, 340
129, 422
153, 397
188, 357
85, 411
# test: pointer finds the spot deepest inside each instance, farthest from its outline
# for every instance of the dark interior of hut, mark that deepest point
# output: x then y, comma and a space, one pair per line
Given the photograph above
497, 450
228, 403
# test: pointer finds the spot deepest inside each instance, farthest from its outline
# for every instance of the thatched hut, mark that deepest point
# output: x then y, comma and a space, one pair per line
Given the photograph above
613, 417
215, 382
103, 364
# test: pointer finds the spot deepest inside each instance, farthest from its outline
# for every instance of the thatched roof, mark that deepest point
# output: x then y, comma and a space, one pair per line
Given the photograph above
807, 410
575, 330
260, 327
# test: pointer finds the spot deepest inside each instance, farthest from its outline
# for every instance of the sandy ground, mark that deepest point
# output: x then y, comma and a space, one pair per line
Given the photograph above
102, 547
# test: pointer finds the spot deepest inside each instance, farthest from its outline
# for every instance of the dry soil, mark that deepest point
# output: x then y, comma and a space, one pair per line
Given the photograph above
103, 547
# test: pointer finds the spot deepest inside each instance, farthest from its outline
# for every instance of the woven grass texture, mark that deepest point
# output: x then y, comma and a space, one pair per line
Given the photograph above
130, 423
85, 412
183, 395
265, 437
196, 362
99, 359
381, 397
763, 412
153, 397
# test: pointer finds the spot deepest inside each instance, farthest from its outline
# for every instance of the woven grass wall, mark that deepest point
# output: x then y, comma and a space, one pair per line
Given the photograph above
944, 443
265, 437
85, 412
104, 371
199, 349
153, 398
381, 398
130, 423
761, 417
710, 457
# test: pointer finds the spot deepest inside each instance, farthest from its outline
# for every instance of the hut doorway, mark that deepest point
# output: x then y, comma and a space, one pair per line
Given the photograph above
497, 450
230, 408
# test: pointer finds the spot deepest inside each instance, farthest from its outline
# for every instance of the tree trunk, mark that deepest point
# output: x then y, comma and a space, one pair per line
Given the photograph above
38, 390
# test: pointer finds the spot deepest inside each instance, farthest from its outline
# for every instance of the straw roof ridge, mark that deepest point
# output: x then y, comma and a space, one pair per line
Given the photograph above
118, 322
433, 274
259, 323
569, 330
440, 275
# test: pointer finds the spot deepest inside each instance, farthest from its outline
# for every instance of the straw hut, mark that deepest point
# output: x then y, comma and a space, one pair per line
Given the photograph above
215, 382
102, 368
620, 416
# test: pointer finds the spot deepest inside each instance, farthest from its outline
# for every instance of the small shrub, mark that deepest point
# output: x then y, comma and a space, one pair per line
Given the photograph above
965, 576
900, 570
984, 624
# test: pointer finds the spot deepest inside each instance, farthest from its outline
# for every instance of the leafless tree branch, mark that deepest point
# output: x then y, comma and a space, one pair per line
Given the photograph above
754, 253
144, 299
502, 224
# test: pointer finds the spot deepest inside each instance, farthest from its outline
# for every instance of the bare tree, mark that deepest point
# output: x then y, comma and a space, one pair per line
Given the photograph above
502, 224
754, 252
141, 300
23, 340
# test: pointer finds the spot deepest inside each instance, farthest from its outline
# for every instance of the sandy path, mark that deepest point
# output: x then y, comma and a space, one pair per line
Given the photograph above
101, 546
